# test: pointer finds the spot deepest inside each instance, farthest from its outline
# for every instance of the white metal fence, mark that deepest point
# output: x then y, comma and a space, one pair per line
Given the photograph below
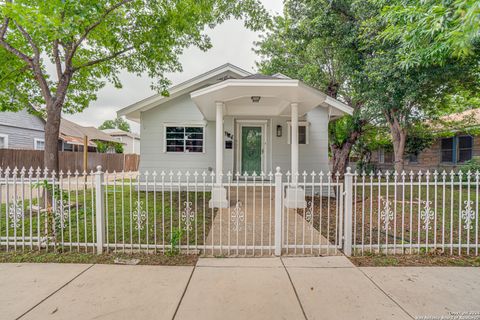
168, 212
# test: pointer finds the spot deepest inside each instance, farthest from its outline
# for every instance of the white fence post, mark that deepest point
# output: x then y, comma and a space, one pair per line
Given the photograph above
278, 212
347, 240
100, 209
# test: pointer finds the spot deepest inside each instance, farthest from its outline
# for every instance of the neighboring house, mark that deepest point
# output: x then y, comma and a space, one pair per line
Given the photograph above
21, 130
130, 140
232, 120
445, 153
72, 137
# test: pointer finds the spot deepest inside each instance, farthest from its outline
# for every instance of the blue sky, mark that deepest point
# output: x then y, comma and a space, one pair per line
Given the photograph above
231, 43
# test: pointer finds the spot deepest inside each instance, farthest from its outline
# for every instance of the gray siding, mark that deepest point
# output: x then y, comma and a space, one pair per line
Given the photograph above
313, 156
22, 119
179, 110
22, 128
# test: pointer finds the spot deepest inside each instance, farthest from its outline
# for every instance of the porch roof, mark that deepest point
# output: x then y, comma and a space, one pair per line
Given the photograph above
276, 96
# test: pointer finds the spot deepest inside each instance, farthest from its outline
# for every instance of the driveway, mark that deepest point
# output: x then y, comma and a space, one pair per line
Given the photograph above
242, 288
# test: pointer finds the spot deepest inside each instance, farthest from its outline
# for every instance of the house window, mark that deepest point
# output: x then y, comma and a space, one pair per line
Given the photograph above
67, 146
184, 139
3, 141
465, 144
447, 149
303, 135
385, 156
38, 144
413, 158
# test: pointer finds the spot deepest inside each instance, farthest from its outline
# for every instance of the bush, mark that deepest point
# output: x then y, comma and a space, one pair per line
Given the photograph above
471, 165
366, 167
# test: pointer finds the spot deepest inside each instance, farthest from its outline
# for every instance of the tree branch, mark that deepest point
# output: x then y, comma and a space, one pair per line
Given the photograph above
56, 56
29, 39
94, 62
15, 51
4, 27
93, 26
35, 64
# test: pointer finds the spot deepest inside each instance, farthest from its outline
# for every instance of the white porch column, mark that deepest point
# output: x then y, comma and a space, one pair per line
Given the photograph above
219, 193
219, 142
294, 143
295, 195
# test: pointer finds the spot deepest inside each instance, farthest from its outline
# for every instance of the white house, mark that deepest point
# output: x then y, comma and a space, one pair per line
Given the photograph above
130, 140
228, 119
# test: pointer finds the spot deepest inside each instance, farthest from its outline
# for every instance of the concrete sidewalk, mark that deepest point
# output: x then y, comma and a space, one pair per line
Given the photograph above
243, 288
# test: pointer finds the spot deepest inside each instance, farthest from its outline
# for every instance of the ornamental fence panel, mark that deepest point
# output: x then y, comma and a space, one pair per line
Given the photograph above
273, 213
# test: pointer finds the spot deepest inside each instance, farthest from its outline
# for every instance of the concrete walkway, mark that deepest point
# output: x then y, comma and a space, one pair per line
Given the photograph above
245, 288
250, 221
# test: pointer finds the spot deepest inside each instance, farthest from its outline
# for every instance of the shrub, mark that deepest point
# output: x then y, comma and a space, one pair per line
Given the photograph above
472, 165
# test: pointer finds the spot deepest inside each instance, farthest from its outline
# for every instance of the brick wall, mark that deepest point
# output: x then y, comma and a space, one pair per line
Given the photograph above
428, 159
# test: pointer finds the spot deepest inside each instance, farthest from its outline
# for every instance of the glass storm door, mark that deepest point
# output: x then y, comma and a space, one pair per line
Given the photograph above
251, 150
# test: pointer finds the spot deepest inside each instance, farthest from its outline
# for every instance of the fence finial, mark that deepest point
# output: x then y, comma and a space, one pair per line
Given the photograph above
99, 168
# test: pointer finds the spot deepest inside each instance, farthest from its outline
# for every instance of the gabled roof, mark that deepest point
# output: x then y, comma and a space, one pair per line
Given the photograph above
224, 72
276, 87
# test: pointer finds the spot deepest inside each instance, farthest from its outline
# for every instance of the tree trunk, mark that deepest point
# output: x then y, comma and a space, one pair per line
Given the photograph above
52, 130
399, 138
341, 153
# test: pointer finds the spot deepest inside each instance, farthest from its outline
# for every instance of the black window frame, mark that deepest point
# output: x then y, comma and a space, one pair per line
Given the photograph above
444, 151
185, 139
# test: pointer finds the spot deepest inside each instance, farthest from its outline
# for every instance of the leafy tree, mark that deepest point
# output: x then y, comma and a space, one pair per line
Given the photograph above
432, 32
87, 43
319, 43
406, 96
117, 123
103, 147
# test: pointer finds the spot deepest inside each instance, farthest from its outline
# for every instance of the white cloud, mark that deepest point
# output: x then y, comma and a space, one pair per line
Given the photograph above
232, 42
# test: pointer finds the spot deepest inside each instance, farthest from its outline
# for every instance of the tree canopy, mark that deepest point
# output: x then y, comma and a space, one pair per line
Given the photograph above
347, 49
319, 43
117, 123
55, 55
432, 32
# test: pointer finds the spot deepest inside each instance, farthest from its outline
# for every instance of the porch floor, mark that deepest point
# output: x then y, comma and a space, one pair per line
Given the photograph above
250, 220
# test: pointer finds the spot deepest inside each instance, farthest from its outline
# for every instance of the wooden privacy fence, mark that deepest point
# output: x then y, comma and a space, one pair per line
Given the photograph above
70, 160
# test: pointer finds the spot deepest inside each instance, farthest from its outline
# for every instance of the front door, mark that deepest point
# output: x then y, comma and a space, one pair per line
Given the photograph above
251, 149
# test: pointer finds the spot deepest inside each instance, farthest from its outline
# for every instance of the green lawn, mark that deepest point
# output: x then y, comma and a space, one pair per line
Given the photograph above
161, 215
445, 222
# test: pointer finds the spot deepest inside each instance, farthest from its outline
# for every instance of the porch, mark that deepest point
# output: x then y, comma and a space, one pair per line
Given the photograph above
250, 101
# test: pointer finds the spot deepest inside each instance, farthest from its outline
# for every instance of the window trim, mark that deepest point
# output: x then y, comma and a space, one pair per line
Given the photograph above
35, 141
305, 124
5, 136
453, 150
458, 148
184, 125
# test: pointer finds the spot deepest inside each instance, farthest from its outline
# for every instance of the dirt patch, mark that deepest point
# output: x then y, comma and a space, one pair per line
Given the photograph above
74, 257
424, 260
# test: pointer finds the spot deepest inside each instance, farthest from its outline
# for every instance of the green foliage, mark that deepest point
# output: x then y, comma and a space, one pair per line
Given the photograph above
420, 137
103, 146
432, 32
318, 43
175, 237
117, 123
472, 165
56, 55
